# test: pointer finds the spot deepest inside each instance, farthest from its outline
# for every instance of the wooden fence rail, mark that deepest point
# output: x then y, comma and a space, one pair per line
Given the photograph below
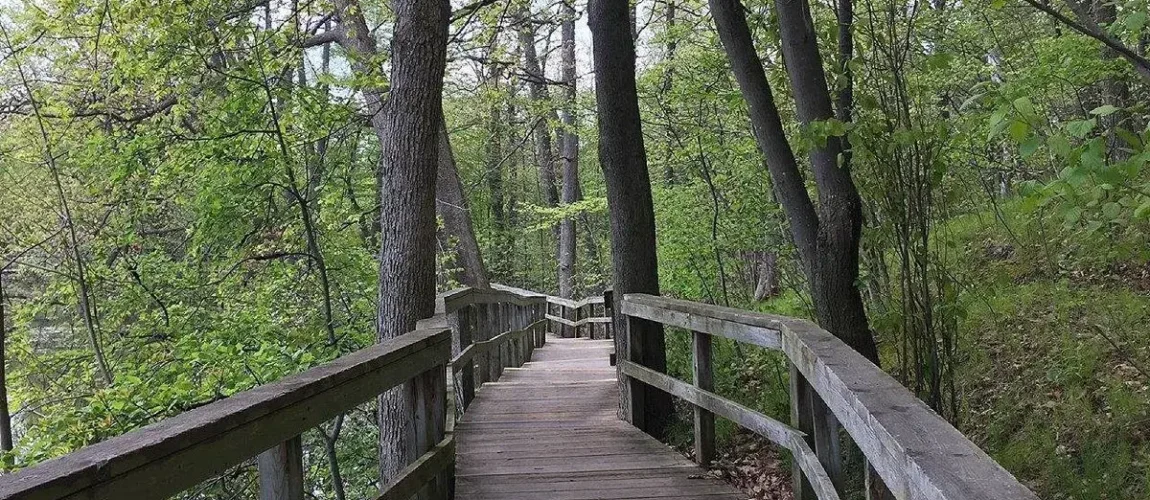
167, 457
589, 318
917, 454
474, 335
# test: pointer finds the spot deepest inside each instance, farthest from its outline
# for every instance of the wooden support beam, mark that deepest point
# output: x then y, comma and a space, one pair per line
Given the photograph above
460, 322
281, 471
803, 420
412, 479
703, 379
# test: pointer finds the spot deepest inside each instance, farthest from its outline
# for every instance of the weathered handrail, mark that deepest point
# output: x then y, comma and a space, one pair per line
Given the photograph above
590, 316
917, 454
474, 335
172, 455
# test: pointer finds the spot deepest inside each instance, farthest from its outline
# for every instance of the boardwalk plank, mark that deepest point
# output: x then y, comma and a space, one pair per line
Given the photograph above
549, 431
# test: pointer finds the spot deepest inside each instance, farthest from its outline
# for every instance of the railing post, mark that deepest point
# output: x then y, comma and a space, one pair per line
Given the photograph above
579, 314
609, 311
281, 471
629, 347
802, 420
460, 322
505, 346
704, 379
482, 332
495, 359
541, 314
430, 423
811, 416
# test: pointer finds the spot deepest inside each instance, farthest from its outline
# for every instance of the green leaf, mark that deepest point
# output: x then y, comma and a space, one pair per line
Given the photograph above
1029, 146
1081, 128
1135, 21
1143, 212
1025, 107
1059, 145
1019, 130
1104, 110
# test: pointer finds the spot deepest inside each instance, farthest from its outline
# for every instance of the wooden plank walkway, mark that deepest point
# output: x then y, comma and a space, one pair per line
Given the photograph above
549, 431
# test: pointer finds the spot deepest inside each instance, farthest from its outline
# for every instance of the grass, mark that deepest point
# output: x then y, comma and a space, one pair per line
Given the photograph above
1055, 341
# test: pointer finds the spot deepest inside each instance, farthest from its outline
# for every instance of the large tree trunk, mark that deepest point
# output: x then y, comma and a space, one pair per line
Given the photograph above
828, 240
838, 303
410, 160
452, 206
570, 155
624, 162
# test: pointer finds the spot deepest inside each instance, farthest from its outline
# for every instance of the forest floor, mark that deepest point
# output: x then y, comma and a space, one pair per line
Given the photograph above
1055, 348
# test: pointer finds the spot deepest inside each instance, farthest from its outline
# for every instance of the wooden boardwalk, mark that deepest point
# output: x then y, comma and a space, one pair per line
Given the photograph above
549, 431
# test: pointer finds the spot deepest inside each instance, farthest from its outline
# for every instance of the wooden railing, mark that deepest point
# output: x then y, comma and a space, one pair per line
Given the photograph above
589, 318
917, 454
474, 335
167, 457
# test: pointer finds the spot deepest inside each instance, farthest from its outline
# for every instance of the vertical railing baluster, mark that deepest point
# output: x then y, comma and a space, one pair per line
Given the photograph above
609, 311
281, 471
811, 416
704, 379
430, 424
482, 332
629, 347
803, 420
460, 322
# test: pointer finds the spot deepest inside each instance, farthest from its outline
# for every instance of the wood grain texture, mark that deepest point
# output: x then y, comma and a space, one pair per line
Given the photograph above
917, 453
164, 458
549, 431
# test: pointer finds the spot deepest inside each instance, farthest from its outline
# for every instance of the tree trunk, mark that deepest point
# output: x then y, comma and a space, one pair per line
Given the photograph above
838, 303
452, 206
537, 90
493, 149
669, 82
624, 163
828, 240
5, 415
410, 159
570, 155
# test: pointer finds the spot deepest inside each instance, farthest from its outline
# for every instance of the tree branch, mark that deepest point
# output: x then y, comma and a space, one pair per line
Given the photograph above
1141, 64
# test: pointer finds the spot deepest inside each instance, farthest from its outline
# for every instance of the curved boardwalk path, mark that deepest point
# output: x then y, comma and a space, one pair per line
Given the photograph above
549, 431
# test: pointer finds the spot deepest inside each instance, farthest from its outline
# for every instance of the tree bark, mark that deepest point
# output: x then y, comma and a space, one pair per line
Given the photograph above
494, 168
537, 90
452, 206
624, 163
828, 240
5, 416
838, 303
571, 189
410, 159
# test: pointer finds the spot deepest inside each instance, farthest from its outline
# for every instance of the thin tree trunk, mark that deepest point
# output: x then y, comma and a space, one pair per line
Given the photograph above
624, 163
571, 189
410, 159
669, 82
452, 206
544, 152
81, 283
329, 442
5, 416
828, 240
496, 122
